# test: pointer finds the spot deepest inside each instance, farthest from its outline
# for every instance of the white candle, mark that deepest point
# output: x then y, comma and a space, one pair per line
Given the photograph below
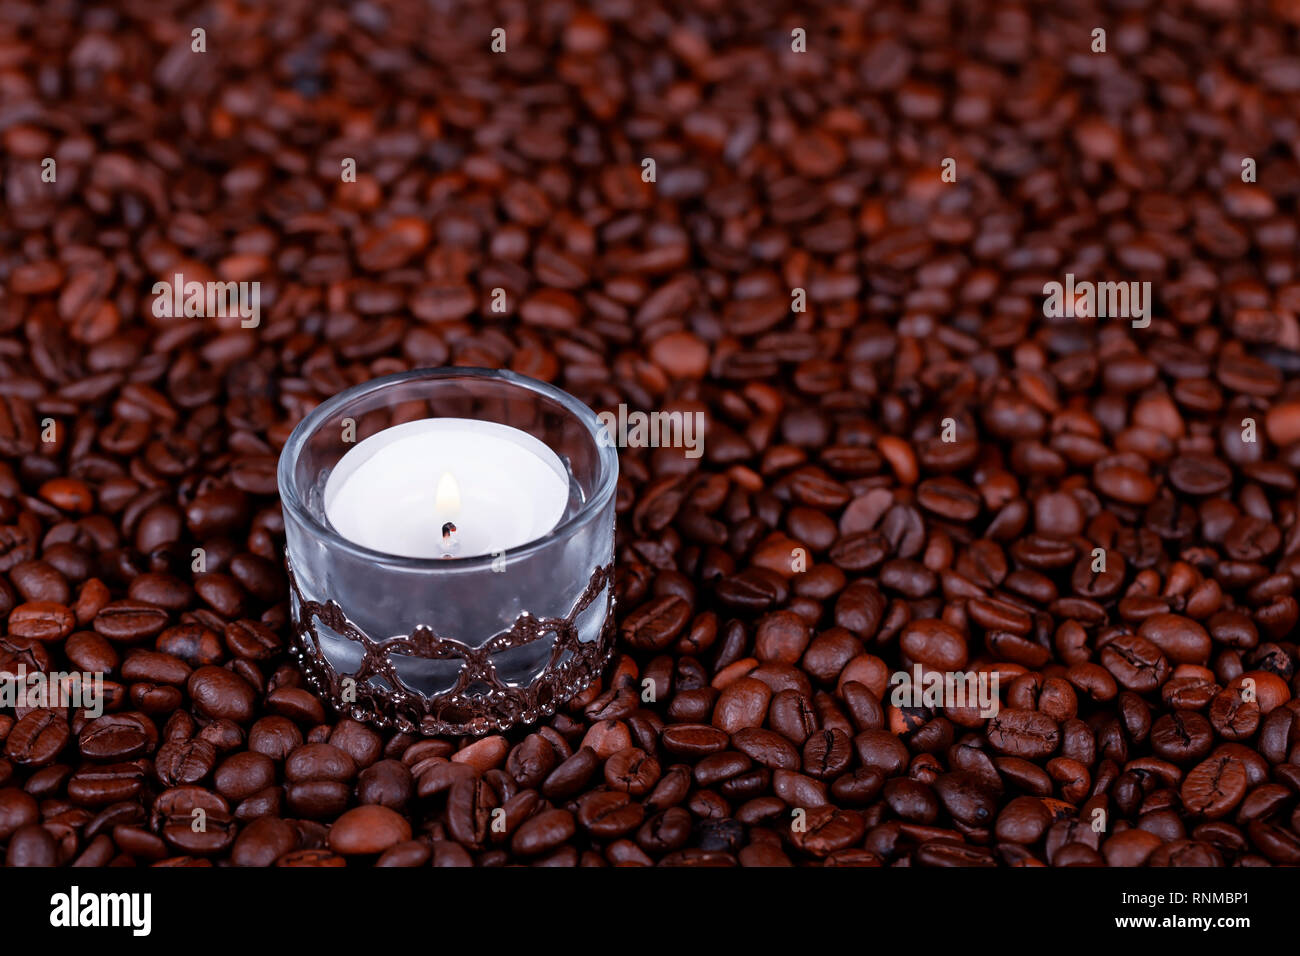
446, 487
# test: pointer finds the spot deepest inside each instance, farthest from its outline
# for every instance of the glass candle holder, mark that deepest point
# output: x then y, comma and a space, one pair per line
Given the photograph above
444, 643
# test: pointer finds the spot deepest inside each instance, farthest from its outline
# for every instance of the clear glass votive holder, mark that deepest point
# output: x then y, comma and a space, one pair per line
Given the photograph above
459, 645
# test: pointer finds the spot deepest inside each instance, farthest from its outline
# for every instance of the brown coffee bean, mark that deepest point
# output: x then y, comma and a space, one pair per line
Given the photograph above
251, 639
827, 753
32, 845
767, 748
116, 737
656, 625
263, 842
37, 738
319, 761
196, 645
742, 704
781, 636
94, 786
632, 771
1214, 787
181, 762
130, 622
935, 644
1180, 638
1024, 733
609, 814
387, 783
17, 809
368, 830
571, 775
543, 832
219, 693
41, 621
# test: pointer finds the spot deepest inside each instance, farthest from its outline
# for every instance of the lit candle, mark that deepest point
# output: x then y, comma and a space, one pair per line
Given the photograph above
446, 488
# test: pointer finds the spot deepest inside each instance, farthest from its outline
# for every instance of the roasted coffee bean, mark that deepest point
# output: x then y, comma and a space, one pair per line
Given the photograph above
223, 734
181, 762
41, 621
1185, 853
296, 704
543, 832
719, 768
1214, 787
368, 830
935, 644
1183, 640
882, 751
742, 704
95, 786
217, 692
793, 716
781, 637
966, 798
911, 800
32, 845
1023, 820
17, 809
193, 643
387, 783
37, 738
609, 814
571, 775
130, 622
1278, 844
829, 829
116, 737
244, 774
410, 853
214, 837
319, 761
276, 737
90, 652
251, 639
317, 799
765, 747
656, 625
665, 831
155, 668
693, 740
1182, 736
263, 842
827, 754
1135, 663
632, 771
1024, 733
859, 787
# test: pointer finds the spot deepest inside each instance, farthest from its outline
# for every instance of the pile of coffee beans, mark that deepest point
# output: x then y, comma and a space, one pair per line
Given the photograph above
840, 263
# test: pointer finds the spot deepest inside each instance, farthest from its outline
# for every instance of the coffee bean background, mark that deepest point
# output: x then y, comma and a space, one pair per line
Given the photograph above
1160, 691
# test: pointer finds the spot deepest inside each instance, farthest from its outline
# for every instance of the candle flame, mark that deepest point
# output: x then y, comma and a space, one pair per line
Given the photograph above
447, 498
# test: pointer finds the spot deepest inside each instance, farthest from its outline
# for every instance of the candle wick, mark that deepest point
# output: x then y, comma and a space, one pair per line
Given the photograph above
449, 541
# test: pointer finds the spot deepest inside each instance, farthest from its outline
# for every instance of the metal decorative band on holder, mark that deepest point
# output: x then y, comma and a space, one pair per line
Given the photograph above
479, 701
